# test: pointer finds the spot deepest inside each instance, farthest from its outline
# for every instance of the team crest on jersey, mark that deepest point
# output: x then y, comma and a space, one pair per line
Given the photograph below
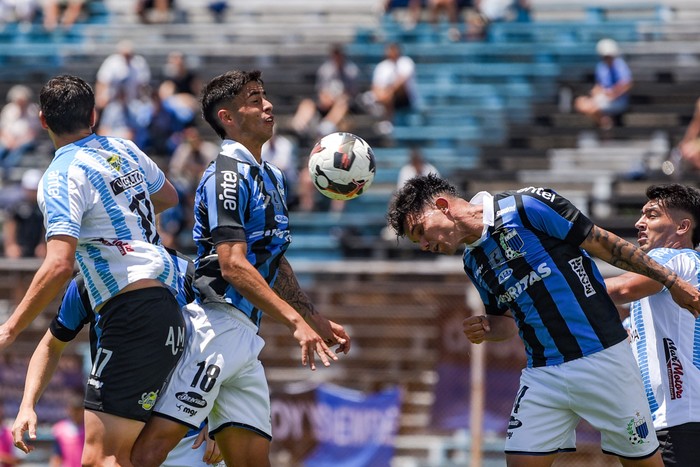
148, 400
116, 162
638, 430
511, 243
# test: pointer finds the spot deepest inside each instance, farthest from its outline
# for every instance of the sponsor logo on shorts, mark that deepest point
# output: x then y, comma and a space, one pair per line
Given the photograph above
577, 266
638, 430
95, 383
674, 369
148, 400
186, 410
192, 399
514, 423
123, 183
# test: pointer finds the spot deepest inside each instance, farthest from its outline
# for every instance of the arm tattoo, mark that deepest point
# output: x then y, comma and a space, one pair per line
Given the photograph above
287, 287
627, 256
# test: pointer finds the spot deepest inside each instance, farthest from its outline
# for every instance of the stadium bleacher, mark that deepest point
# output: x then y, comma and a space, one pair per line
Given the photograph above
491, 118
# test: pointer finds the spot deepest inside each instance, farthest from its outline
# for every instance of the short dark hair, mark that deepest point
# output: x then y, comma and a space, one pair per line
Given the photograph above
681, 197
221, 89
413, 196
67, 103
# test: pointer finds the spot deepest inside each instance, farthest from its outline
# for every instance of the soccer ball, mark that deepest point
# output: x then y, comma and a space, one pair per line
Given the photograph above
342, 165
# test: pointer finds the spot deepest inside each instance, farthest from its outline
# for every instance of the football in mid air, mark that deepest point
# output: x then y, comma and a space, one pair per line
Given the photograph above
342, 165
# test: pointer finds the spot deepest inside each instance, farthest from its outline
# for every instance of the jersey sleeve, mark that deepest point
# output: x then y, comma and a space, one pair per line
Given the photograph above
73, 313
228, 194
682, 262
63, 197
155, 178
556, 216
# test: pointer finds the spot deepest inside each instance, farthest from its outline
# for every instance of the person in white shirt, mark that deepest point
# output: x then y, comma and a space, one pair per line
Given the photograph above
394, 82
416, 166
664, 337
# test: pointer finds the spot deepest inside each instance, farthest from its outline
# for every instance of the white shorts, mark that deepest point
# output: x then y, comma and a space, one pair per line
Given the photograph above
219, 375
605, 389
183, 455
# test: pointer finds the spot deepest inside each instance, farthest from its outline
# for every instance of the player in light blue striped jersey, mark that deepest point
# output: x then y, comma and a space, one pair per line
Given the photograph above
99, 197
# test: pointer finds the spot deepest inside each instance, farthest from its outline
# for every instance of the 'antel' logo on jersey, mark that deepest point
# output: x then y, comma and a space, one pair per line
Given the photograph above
229, 187
123, 183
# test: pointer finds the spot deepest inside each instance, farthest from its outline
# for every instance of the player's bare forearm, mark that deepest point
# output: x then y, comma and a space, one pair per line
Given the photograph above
288, 288
624, 255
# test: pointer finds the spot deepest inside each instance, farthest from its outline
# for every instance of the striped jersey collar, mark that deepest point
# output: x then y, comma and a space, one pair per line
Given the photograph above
239, 152
71, 146
486, 200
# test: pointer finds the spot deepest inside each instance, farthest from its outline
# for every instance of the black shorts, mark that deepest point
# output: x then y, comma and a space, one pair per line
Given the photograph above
141, 335
679, 444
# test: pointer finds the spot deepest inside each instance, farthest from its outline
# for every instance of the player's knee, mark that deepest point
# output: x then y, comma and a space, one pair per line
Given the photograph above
152, 455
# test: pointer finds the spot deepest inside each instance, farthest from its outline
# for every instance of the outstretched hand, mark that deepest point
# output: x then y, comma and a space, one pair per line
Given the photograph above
311, 345
24, 423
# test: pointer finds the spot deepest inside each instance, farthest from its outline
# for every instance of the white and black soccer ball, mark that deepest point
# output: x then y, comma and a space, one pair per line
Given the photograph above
342, 165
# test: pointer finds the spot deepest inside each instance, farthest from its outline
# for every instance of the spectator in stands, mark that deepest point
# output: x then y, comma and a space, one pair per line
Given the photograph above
609, 97
337, 85
19, 127
689, 146
180, 88
416, 166
664, 335
154, 11
529, 254
281, 151
23, 228
69, 435
123, 70
393, 86
191, 157
8, 457
485, 12
20, 11
64, 13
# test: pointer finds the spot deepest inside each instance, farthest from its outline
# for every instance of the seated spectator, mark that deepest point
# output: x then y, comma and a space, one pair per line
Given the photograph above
485, 12
393, 86
336, 89
63, 13
689, 146
191, 156
122, 71
281, 151
23, 228
416, 166
154, 11
180, 88
19, 127
19, 11
610, 94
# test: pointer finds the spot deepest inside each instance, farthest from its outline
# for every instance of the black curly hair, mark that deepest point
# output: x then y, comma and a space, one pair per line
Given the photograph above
681, 197
413, 197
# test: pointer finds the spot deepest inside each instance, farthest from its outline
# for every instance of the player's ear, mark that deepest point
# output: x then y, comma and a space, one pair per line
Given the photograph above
684, 226
42, 120
93, 118
442, 204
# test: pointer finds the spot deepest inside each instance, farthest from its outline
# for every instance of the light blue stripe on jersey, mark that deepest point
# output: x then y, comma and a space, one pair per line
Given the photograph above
166, 277
696, 344
115, 214
643, 355
102, 269
89, 282
105, 142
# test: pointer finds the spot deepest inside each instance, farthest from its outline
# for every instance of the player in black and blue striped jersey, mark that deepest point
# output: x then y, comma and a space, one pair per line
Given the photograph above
528, 253
74, 313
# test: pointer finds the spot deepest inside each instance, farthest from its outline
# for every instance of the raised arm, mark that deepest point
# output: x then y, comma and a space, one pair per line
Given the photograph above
47, 283
629, 287
490, 328
624, 255
288, 288
239, 272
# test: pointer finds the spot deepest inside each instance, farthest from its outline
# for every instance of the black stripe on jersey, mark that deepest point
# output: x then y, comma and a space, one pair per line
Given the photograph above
605, 324
546, 305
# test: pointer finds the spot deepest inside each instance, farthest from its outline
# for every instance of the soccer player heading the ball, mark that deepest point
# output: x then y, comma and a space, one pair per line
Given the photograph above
242, 231
527, 253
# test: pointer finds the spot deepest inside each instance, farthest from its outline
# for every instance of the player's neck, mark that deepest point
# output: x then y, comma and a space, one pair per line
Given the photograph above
68, 138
